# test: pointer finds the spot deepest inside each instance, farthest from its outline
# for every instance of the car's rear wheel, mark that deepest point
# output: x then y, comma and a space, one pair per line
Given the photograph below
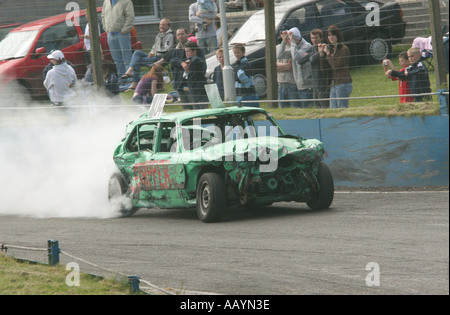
260, 84
323, 197
378, 47
211, 197
116, 196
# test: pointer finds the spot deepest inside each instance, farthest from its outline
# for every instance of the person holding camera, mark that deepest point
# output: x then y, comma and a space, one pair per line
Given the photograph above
302, 72
336, 55
403, 84
320, 76
287, 88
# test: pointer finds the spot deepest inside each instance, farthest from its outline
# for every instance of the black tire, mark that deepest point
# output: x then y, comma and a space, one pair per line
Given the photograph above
116, 196
324, 197
211, 197
378, 48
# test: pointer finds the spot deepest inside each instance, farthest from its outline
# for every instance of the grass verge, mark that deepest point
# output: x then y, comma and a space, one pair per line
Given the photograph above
24, 278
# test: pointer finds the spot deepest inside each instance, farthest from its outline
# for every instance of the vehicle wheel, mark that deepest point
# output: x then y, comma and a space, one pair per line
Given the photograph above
260, 84
211, 197
116, 196
324, 197
378, 48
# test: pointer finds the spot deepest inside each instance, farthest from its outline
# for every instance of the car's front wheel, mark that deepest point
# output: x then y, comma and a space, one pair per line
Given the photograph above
211, 197
116, 196
323, 198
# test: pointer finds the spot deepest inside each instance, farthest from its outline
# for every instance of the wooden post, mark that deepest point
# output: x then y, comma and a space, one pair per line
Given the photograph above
438, 46
96, 52
271, 66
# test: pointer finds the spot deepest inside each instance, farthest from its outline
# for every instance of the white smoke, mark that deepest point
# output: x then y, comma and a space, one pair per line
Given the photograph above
57, 162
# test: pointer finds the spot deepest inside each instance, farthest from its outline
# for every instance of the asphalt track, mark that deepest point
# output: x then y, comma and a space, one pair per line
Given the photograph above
367, 243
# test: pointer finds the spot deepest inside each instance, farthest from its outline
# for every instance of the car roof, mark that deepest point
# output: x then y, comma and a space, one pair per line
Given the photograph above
39, 24
10, 25
190, 114
289, 5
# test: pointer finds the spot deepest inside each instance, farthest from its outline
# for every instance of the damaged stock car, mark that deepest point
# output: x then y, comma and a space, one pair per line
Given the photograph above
214, 159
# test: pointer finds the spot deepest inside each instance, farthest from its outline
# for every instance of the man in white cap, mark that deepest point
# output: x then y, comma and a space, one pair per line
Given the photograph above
302, 72
60, 80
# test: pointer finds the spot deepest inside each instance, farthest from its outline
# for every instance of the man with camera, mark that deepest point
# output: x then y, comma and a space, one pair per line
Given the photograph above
320, 76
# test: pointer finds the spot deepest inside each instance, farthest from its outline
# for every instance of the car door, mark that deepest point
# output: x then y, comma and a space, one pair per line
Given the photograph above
138, 151
73, 48
57, 37
167, 168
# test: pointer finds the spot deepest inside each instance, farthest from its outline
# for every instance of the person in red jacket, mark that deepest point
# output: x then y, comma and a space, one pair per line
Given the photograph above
403, 85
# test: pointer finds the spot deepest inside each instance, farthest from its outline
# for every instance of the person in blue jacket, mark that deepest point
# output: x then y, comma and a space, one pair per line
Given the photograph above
245, 84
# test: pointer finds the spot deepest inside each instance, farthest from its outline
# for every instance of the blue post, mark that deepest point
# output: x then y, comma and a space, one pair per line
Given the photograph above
443, 102
134, 283
53, 252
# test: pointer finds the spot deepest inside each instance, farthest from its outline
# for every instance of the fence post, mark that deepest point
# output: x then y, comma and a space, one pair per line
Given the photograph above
443, 102
134, 283
53, 252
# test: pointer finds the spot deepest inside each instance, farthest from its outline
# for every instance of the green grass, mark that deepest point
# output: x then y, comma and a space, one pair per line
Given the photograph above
367, 81
22, 278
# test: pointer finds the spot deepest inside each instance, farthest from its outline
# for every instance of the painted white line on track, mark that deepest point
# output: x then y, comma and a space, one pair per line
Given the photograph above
391, 192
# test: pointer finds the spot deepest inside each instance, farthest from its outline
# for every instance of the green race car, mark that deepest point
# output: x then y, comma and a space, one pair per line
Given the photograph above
216, 158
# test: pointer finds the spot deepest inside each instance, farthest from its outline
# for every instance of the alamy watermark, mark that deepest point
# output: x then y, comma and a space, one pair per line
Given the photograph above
373, 17
73, 277
373, 277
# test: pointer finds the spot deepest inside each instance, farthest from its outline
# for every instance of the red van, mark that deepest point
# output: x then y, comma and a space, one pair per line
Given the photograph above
23, 51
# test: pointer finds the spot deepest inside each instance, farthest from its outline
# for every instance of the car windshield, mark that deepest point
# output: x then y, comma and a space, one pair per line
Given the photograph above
16, 44
230, 127
254, 28
5, 30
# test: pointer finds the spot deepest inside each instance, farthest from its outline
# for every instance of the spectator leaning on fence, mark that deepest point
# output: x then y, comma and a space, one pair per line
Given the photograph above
60, 80
336, 55
206, 35
416, 74
302, 72
403, 84
118, 20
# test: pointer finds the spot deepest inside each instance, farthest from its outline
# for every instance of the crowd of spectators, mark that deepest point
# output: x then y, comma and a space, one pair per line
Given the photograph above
312, 74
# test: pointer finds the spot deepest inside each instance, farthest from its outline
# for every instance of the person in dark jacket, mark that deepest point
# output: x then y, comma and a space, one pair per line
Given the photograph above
177, 62
195, 73
320, 76
416, 74
218, 73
